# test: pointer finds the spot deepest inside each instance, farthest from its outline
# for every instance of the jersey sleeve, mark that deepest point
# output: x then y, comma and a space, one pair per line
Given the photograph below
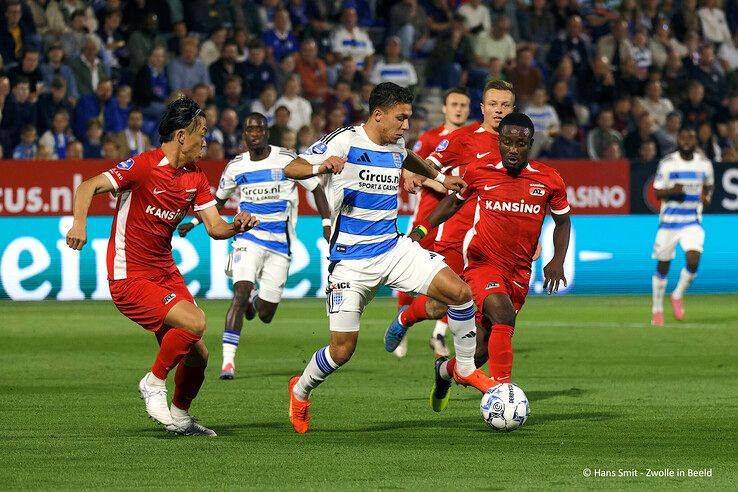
203, 199
127, 174
309, 183
227, 184
470, 178
447, 153
709, 179
661, 181
330, 145
557, 201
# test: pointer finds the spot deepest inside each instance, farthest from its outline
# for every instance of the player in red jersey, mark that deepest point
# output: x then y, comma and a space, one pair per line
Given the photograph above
511, 198
155, 191
452, 155
456, 111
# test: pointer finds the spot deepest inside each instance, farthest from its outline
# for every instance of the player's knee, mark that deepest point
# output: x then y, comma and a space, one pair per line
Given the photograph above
203, 354
692, 267
460, 294
341, 353
266, 317
435, 309
197, 323
505, 316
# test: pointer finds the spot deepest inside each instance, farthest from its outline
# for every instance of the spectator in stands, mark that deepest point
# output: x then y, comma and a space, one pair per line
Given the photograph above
545, 121
204, 16
728, 55
179, 33
392, 68
51, 102
602, 136
285, 70
627, 81
187, 70
648, 152
132, 141
93, 140
710, 78
28, 146
686, 20
212, 48
708, 142
662, 43
119, 116
440, 17
55, 66
265, 104
73, 38
306, 136
336, 119
525, 76
348, 100
449, 62
225, 66
289, 139
496, 43
617, 45
599, 91
113, 48
642, 52
142, 41
729, 143
566, 145
574, 44
562, 102
694, 110
232, 97
15, 35
59, 136
151, 87
256, 72
674, 79
348, 73
100, 105
622, 116
644, 132
726, 114
280, 126
229, 135
506, 8
348, 39
658, 106
110, 150
75, 151
280, 41
476, 17
87, 68
598, 15
612, 152
318, 122
714, 24
29, 69
23, 111
409, 21
495, 71
541, 23
562, 11
666, 136
215, 151
312, 71
202, 95
299, 107
8, 127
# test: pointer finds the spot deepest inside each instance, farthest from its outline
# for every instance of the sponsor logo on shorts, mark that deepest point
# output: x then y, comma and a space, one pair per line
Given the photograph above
125, 165
537, 192
169, 298
341, 249
339, 285
492, 285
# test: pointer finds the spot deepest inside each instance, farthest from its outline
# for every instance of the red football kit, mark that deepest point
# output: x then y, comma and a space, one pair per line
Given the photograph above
153, 197
428, 198
453, 155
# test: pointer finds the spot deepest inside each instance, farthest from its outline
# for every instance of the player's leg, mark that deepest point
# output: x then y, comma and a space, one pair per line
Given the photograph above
664, 249
272, 278
499, 309
692, 241
187, 383
240, 304
438, 338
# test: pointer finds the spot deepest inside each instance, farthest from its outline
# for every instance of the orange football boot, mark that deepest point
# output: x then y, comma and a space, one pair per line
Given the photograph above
299, 410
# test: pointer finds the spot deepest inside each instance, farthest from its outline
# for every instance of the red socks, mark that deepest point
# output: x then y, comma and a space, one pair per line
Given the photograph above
175, 344
501, 352
415, 312
404, 299
187, 383
451, 367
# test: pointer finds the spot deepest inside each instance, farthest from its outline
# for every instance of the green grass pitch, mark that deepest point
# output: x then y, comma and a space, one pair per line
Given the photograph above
608, 393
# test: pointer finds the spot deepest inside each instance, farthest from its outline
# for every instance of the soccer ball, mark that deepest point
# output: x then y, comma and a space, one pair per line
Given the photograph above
504, 407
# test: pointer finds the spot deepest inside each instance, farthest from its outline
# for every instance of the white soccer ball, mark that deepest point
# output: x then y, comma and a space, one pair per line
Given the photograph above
505, 407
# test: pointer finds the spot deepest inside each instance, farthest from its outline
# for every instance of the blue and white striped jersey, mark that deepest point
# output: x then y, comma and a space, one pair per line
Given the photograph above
267, 194
364, 196
693, 175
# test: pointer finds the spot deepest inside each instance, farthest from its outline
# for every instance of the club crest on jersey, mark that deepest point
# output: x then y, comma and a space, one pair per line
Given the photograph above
125, 165
417, 146
492, 285
277, 174
397, 157
317, 148
442, 145
169, 298
537, 191
221, 185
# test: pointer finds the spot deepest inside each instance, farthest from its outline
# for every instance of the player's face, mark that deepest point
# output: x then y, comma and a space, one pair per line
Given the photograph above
456, 109
515, 142
496, 105
255, 133
393, 121
687, 141
192, 140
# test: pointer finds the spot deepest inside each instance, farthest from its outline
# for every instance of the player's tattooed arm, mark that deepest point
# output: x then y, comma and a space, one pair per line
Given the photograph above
77, 234
445, 209
300, 168
416, 164
220, 229
553, 272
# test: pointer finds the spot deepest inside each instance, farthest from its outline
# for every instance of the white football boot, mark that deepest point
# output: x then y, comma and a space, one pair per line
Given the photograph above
186, 425
155, 398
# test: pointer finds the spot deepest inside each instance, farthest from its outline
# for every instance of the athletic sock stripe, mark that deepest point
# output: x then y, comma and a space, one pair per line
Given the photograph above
462, 315
228, 342
322, 362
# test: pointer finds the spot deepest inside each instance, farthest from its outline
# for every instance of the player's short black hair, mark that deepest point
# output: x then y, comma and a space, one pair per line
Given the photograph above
517, 119
179, 114
388, 94
256, 115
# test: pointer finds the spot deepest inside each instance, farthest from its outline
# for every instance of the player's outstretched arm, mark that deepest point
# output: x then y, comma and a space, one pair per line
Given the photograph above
321, 201
416, 164
220, 229
183, 229
300, 168
443, 211
553, 272
77, 235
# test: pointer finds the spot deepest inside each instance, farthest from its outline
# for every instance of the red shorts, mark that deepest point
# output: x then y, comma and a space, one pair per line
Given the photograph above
147, 301
486, 280
453, 255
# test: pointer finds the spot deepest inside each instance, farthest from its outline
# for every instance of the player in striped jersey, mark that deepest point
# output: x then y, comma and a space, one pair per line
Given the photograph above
261, 255
684, 183
362, 165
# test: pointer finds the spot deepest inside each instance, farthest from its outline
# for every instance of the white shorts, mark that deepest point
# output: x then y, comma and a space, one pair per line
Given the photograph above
352, 284
261, 266
690, 238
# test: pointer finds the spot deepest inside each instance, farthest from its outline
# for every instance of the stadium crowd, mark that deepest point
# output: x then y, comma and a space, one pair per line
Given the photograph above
601, 79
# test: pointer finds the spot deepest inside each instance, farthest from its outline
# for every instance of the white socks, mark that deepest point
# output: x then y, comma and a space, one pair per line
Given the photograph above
230, 345
461, 323
152, 380
685, 280
440, 328
658, 287
178, 413
318, 369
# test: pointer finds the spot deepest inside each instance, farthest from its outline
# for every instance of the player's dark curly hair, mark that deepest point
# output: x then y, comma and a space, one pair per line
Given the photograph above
388, 94
180, 113
517, 119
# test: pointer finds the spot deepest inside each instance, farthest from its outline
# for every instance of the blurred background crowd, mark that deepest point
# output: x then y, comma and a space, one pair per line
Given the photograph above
601, 79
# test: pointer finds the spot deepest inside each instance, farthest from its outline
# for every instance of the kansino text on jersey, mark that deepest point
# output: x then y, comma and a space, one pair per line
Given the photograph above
375, 181
166, 214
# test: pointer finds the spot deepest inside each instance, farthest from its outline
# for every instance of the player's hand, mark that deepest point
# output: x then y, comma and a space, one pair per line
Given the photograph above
333, 164
677, 189
243, 221
537, 254
183, 229
412, 182
414, 236
77, 236
454, 183
553, 275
